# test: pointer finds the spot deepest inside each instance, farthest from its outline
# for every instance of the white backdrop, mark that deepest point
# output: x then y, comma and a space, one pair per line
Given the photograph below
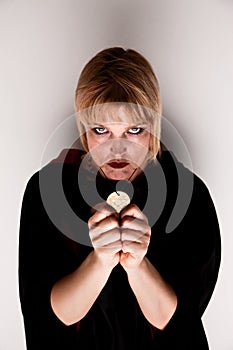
44, 46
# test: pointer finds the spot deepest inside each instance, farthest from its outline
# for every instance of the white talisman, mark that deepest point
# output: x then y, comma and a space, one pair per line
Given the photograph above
118, 200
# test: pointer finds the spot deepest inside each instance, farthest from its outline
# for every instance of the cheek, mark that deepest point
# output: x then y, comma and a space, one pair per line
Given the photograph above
91, 141
142, 143
146, 140
90, 144
140, 150
97, 149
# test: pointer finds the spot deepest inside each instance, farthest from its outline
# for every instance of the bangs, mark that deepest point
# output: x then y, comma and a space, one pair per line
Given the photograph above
116, 112
118, 86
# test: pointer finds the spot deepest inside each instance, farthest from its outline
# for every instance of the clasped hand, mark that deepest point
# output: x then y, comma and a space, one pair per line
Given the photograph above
119, 238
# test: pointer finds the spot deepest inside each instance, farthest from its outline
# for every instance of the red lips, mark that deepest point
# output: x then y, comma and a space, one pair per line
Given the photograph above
118, 164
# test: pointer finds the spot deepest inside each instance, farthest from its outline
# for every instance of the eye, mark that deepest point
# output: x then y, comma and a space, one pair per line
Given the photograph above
135, 130
100, 130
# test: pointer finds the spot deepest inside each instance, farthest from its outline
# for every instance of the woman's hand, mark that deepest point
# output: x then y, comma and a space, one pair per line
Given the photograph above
105, 234
135, 236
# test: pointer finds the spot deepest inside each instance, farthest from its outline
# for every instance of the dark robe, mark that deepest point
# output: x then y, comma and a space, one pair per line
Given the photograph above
54, 241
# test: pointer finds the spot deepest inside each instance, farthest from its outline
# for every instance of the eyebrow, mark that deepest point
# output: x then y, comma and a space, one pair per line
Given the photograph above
141, 125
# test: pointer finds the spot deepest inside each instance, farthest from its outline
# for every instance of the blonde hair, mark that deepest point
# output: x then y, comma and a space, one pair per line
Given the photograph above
119, 77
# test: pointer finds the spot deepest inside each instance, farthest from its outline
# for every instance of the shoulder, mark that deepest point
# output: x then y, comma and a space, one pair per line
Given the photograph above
188, 201
182, 177
63, 160
43, 192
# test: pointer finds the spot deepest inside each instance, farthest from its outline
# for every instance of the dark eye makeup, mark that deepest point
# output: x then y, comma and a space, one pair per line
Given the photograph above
132, 131
100, 130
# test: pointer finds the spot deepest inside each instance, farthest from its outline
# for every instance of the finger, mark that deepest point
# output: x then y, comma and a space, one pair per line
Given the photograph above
134, 224
134, 211
102, 210
135, 236
102, 206
111, 248
106, 238
134, 248
104, 225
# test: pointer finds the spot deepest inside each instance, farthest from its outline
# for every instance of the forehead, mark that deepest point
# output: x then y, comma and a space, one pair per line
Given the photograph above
116, 113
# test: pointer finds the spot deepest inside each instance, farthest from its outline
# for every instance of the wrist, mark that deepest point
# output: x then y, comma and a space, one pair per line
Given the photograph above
137, 269
102, 263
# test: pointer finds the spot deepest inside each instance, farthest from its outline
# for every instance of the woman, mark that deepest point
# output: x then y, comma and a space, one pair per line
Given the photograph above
118, 280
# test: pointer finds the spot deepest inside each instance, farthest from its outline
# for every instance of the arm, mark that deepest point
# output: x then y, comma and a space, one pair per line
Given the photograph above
188, 259
73, 295
43, 262
156, 298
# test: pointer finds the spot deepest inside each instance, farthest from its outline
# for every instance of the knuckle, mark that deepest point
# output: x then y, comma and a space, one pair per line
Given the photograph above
89, 222
126, 220
125, 244
124, 234
133, 206
99, 206
112, 219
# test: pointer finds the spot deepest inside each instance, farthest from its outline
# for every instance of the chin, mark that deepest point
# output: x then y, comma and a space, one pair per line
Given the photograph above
117, 174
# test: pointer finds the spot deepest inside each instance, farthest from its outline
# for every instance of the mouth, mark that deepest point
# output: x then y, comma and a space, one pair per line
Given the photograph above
118, 164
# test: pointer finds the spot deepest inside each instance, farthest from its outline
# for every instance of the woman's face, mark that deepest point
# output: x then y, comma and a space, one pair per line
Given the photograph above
118, 148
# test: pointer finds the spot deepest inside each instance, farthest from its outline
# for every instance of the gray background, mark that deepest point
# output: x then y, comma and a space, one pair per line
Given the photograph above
44, 46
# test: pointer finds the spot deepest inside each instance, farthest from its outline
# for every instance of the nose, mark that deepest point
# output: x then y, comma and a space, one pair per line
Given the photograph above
118, 146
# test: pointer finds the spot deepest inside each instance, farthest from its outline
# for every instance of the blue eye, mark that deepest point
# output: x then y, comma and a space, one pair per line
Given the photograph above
99, 131
135, 131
